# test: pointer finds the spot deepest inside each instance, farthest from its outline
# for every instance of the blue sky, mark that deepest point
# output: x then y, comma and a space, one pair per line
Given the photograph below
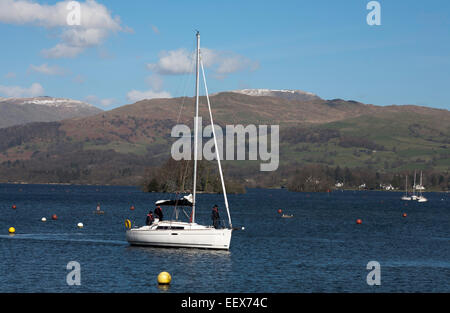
324, 47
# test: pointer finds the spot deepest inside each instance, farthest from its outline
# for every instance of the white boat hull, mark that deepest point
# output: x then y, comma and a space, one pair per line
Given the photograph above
192, 236
422, 199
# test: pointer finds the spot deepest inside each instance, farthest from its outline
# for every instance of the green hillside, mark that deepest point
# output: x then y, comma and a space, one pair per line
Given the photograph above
121, 145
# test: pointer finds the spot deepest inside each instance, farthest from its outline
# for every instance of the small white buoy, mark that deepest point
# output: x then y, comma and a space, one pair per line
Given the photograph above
80, 225
43, 219
243, 228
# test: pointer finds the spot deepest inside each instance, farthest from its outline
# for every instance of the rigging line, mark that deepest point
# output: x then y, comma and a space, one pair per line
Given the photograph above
184, 176
216, 146
186, 214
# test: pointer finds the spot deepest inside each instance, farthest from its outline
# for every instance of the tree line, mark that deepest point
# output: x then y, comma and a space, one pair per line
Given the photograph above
177, 176
323, 178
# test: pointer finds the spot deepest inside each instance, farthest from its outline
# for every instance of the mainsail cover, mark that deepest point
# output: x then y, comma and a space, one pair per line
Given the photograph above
185, 201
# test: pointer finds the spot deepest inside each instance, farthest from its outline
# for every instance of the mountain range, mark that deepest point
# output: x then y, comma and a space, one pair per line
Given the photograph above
284, 94
118, 146
17, 111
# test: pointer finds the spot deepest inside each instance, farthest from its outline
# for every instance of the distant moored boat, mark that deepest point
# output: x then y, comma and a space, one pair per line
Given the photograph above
421, 198
406, 197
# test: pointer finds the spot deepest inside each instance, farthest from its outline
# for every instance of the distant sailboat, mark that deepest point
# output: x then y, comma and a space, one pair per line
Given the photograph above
414, 196
421, 198
406, 197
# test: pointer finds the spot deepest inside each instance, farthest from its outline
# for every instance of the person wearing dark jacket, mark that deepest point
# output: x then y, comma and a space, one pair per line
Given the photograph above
215, 216
159, 213
150, 219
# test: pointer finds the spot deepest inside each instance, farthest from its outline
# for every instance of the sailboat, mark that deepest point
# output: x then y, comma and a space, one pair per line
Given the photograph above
421, 198
414, 196
176, 233
406, 197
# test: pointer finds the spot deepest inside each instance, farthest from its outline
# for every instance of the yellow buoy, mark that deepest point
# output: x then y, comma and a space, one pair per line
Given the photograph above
12, 230
127, 223
164, 278
163, 287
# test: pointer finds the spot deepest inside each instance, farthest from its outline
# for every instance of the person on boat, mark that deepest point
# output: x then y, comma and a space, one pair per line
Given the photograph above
150, 219
159, 213
215, 216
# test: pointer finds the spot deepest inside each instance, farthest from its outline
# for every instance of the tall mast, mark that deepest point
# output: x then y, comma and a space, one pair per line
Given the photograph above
194, 188
406, 185
420, 190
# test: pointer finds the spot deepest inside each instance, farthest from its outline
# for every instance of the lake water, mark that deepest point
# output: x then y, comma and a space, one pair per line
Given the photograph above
321, 249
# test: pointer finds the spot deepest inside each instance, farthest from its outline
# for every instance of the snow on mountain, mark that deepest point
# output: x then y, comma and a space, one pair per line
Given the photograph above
49, 101
283, 93
17, 111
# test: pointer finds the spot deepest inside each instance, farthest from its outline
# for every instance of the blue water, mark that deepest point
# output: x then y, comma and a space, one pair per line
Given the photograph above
321, 249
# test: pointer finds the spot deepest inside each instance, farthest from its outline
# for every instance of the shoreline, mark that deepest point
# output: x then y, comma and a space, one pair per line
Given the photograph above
57, 184
265, 188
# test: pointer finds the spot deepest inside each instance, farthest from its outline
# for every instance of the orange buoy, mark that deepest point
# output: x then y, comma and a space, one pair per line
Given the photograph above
280, 211
358, 221
132, 208
14, 206
404, 215
54, 217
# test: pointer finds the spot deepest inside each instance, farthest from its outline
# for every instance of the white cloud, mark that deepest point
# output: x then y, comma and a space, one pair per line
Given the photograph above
96, 23
173, 62
136, 95
48, 70
155, 82
19, 92
107, 102
231, 64
182, 61
62, 50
